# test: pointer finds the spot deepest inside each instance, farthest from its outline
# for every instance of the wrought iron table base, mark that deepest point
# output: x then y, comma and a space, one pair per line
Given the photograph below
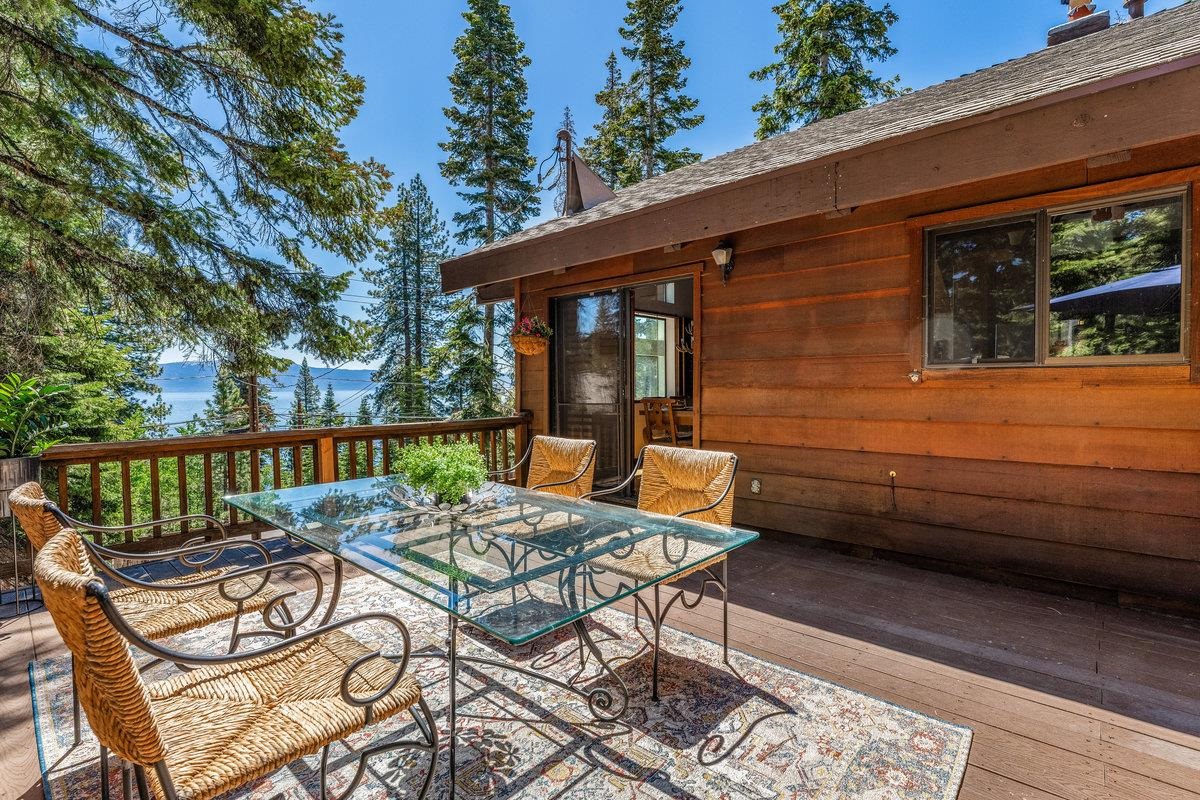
603, 705
659, 613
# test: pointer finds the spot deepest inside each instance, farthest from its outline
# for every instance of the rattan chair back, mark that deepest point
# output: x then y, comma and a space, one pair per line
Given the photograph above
555, 460
30, 506
677, 479
110, 689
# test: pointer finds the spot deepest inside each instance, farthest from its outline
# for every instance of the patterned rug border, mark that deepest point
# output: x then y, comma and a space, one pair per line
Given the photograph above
953, 789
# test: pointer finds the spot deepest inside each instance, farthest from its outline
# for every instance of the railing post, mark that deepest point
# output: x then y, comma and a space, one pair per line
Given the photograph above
326, 466
521, 443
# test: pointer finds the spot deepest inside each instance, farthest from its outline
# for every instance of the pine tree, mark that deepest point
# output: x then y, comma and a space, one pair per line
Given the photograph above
607, 150
225, 411
466, 385
306, 398
330, 418
409, 310
656, 106
559, 187
182, 159
268, 418
364, 413
487, 151
823, 70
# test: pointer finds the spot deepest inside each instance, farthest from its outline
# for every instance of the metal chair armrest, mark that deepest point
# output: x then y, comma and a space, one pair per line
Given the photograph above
637, 468
98, 590
191, 547
68, 521
78, 524
494, 474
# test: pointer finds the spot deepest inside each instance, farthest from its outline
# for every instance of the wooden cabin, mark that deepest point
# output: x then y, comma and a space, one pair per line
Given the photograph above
960, 327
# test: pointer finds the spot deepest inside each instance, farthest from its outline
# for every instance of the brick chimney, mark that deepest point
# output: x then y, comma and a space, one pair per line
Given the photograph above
1082, 20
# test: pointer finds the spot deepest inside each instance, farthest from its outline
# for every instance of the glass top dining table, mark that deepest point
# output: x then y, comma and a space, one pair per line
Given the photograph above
513, 562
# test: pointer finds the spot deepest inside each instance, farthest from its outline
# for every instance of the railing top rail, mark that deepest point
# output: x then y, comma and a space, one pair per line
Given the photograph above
190, 445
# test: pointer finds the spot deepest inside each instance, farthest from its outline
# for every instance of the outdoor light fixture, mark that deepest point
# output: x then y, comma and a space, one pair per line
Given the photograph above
723, 256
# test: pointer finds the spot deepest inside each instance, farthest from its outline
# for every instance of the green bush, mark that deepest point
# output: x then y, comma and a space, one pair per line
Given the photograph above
447, 471
26, 426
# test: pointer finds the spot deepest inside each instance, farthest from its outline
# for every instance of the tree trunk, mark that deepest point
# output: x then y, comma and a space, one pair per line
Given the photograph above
252, 402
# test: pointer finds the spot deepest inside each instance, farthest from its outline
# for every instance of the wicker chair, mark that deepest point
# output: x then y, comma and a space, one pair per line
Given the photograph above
557, 465
662, 426
232, 718
681, 483
163, 608
177, 605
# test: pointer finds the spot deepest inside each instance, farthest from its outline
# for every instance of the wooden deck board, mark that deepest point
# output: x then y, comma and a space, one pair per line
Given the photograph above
1104, 710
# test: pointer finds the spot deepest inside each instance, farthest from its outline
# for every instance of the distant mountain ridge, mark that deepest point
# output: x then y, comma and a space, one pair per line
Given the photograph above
186, 385
204, 373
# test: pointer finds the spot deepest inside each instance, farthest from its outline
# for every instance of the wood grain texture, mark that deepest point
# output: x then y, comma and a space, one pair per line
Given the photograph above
1086, 474
1050, 721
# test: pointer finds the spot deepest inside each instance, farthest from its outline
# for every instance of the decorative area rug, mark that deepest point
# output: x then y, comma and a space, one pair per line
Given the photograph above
754, 731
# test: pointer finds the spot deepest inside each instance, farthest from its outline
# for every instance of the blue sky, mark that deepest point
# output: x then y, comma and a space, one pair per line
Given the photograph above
403, 50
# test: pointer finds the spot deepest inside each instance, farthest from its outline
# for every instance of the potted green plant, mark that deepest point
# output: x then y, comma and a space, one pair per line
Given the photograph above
530, 335
446, 473
27, 427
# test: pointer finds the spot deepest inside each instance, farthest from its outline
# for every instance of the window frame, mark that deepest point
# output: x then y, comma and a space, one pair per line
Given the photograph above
1041, 215
667, 358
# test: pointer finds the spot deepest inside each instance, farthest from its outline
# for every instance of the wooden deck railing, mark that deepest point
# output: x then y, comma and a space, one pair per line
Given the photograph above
120, 483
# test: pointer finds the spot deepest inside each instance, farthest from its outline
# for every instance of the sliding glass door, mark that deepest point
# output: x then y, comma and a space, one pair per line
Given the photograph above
591, 377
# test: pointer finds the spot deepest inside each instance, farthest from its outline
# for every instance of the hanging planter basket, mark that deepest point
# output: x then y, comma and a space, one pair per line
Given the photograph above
529, 345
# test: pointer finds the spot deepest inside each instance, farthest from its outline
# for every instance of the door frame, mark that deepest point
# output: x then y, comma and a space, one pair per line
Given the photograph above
691, 269
622, 404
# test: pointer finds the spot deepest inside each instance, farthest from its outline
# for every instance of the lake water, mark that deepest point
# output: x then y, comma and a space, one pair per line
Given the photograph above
187, 386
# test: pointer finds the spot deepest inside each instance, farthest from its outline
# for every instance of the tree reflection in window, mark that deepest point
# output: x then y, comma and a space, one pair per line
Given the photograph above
982, 289
1115, 279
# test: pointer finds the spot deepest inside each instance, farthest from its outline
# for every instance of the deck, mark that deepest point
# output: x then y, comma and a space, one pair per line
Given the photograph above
1067, 698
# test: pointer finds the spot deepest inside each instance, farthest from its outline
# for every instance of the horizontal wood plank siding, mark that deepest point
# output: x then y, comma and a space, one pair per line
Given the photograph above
1086, 475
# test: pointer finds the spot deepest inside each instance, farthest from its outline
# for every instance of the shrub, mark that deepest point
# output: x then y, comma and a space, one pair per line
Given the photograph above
26, 426
447, 471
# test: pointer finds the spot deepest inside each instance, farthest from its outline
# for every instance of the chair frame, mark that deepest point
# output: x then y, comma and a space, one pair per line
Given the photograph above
99, 554
513, 470
658, 614
425, 721
666, 407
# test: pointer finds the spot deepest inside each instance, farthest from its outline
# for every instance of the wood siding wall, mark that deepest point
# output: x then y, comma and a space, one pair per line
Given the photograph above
1088, 475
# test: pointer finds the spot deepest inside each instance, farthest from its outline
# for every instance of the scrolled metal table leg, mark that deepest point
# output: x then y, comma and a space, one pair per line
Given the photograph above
600, 700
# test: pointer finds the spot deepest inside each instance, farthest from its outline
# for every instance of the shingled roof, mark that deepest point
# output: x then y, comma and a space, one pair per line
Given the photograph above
1140, 46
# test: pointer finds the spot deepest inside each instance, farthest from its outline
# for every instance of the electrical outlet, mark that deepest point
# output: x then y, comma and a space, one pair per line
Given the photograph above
756, 486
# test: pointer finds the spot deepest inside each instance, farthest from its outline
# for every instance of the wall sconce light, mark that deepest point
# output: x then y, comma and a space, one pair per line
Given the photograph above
915, 376
723, 256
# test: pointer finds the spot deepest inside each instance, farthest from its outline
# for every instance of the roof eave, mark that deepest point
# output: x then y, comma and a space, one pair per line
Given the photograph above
457, 273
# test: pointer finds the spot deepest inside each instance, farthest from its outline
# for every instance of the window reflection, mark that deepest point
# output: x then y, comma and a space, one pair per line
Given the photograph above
982, 289
1115, 279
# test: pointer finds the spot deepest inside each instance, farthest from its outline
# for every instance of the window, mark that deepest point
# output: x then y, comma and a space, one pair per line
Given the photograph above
1097, 283
653, 359
982, 290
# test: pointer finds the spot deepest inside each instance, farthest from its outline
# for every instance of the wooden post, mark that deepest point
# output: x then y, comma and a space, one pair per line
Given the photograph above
326, 467
252, 401
520, 444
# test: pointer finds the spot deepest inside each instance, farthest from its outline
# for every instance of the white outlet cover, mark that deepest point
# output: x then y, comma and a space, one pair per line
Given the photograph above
756, 486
